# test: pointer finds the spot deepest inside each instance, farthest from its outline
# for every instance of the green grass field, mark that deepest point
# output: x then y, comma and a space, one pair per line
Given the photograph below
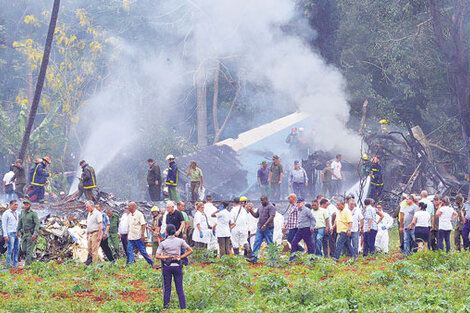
425, 282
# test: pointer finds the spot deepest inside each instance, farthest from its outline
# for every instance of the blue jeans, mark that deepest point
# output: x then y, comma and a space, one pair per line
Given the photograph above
444, 235
13, 248
290, 238
343, 241
369, 242
409, 239
140, 245
355, 242
259, 238
317, 238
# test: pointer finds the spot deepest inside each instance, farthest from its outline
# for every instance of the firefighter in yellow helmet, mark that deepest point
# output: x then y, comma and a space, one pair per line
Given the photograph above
365, 166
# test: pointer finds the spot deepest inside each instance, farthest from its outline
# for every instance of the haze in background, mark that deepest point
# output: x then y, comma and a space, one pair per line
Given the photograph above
264, 42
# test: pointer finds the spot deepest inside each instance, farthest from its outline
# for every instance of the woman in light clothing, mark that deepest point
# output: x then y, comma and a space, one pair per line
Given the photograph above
202, 233
421, 220
446, 215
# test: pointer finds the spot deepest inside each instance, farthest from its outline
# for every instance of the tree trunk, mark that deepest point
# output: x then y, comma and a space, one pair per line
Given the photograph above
42, 75
456, 50
201, 111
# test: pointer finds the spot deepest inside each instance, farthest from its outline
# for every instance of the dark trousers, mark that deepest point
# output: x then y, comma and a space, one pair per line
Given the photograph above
369, 242
306, 235
299, 189
89, 194
19, 189
458, 233
343, 241
290, 238
170, 272
37, 191
224, 245
329, 244
107, 251
154, 192
465, 233
124, 242
402, 241
195, 185
444, 235
3, 249
433, 240
375, 191
275, 191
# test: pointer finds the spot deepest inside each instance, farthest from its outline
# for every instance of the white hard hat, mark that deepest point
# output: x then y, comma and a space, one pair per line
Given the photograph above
169, 157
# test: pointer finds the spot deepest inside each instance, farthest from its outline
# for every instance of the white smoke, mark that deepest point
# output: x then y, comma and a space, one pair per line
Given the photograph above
251, 37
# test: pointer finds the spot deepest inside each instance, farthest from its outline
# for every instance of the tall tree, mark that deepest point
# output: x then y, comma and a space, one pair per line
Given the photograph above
454, 45
41, 77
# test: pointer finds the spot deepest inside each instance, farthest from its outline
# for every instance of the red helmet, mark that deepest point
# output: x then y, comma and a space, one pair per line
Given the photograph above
38, 160
294, 129
47, 159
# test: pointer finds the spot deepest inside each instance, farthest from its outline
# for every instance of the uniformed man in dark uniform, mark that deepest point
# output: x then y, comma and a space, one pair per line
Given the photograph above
28, 226
88, 180
20, 178
154, 180
376, 180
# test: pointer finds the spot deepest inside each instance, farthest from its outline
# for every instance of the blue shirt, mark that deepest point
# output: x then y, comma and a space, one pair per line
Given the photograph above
466, 208
9, 222
263, 174
370, 213
105, 221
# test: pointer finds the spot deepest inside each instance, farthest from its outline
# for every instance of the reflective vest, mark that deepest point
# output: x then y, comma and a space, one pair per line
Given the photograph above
376, 175
88, 177
39, 175
172, 176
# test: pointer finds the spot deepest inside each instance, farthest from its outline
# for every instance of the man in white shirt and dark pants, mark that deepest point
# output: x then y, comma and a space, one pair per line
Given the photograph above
9, 185
222, 230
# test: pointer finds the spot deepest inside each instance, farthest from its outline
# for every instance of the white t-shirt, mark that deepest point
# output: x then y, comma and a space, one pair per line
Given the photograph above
336, 167
240, 218
423, 218
444, 219
123, 228
331, 210
8, 177
209, 209
357, 217
252, 222
278, 224
223, 227
200, 219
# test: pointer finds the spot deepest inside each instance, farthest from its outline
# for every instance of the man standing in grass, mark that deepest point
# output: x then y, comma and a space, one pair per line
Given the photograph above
113, 232
28, 225
306, 226
9, 226
136, 235
343, 225
265, 227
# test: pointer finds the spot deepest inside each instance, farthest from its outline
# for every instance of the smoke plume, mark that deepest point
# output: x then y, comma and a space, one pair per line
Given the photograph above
148, 80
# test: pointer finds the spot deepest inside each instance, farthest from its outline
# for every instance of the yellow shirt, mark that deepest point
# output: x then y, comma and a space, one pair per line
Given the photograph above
343, 218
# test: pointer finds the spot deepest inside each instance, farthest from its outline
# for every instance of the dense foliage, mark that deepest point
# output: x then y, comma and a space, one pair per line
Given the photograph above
426, 282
